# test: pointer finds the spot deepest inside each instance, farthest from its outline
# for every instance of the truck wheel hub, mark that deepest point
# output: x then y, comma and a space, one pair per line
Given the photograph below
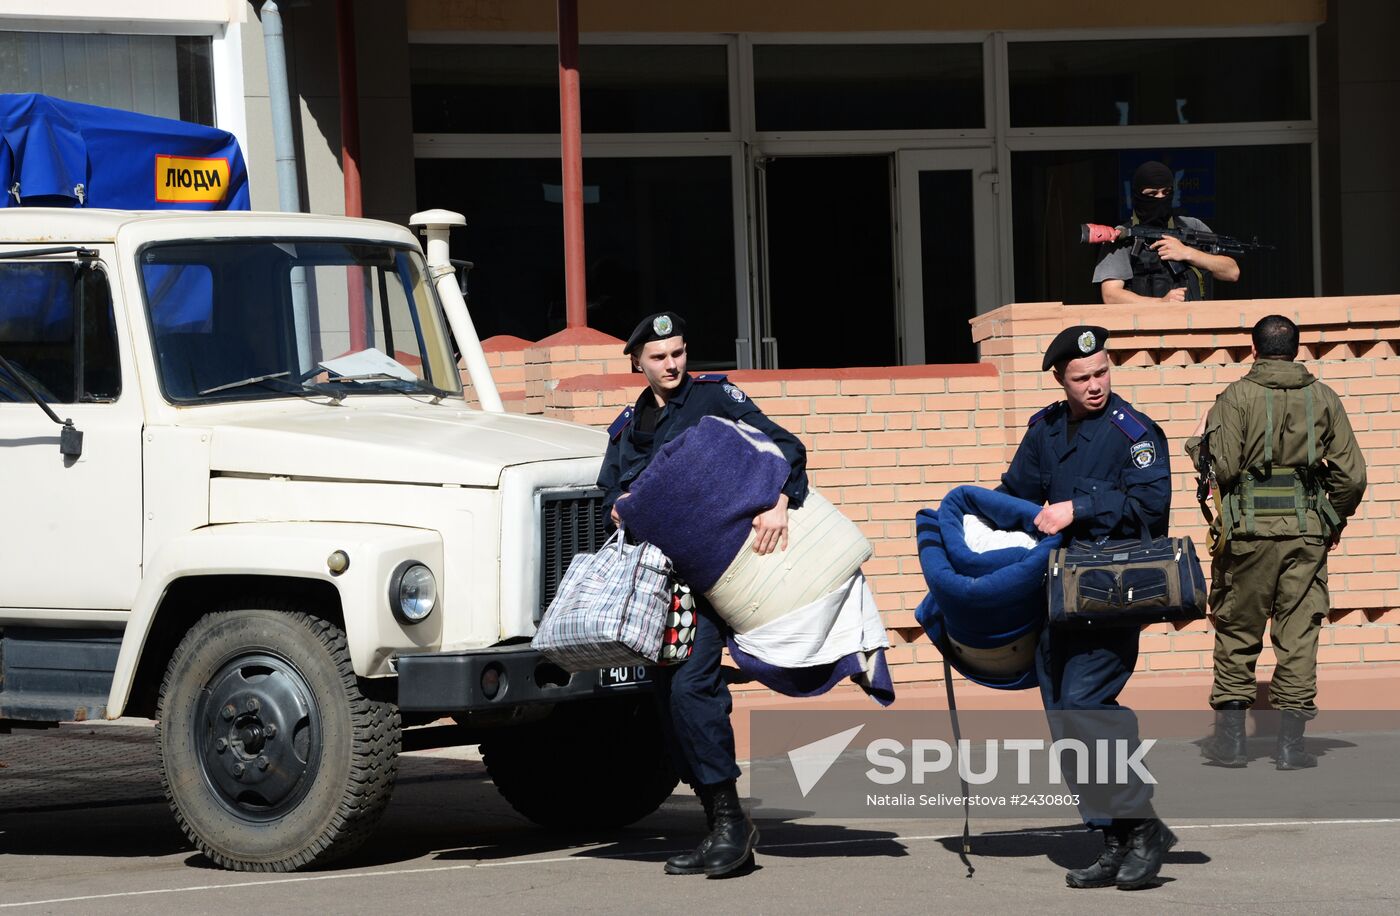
261, 762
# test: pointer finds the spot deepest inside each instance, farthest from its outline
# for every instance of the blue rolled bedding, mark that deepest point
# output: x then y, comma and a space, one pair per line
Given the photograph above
985, 608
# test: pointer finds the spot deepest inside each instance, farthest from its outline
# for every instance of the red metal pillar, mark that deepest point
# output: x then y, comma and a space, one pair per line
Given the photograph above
350, 159
571, 162
349, 107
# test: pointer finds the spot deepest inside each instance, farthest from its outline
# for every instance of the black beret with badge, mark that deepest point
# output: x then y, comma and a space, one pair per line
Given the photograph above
660, 326
1074, 343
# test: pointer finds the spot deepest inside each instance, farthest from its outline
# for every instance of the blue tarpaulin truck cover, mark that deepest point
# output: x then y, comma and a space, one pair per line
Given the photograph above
56, 153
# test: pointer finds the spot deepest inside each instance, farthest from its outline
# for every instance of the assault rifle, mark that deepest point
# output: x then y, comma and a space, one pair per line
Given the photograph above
1208, 493
1209, 242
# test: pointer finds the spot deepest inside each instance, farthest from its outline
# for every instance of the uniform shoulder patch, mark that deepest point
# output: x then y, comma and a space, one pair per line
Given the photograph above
617, 426
1143, 454
1127, 424
710, 377
735, 395
1042, 414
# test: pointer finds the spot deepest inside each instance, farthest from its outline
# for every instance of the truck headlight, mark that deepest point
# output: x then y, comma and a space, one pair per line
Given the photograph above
412, 592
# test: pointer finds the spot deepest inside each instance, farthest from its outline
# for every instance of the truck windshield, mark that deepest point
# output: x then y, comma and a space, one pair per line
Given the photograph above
269, 318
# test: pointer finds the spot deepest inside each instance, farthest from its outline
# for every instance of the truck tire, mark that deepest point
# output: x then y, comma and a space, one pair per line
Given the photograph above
270, 756
591, 765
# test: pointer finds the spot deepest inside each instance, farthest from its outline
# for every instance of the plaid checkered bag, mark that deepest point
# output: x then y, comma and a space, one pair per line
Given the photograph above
611, 608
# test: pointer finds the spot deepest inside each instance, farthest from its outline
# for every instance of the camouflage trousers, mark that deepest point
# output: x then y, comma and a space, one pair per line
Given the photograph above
1277, 581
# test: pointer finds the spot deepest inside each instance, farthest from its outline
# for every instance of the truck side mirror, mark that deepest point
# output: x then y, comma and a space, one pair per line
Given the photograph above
70, 441
463, 268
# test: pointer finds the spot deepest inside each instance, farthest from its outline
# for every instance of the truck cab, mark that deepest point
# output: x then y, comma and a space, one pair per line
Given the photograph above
247, 498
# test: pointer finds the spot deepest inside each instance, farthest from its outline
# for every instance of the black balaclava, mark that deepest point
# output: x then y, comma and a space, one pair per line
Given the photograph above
1153, 211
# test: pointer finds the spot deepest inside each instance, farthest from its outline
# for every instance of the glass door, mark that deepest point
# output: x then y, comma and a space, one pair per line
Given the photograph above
948, 268
825, 277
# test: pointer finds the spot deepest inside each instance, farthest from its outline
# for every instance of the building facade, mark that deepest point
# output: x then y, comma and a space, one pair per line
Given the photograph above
838, 184
827, 185
814, 184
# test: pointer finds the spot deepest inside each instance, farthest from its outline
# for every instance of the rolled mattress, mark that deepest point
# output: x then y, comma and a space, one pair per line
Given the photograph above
824, 550
985, 565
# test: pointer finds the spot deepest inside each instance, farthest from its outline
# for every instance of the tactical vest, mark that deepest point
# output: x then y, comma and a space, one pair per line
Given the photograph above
1272, 491
1154, 279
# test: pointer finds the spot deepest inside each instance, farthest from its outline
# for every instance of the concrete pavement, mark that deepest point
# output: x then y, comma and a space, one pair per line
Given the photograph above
83, 830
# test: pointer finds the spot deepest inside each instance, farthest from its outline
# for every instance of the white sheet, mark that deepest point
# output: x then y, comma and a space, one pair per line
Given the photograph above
981, 537
839, 623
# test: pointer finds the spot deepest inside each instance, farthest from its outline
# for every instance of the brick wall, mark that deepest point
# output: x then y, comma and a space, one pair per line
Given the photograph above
885, 442
1171, 362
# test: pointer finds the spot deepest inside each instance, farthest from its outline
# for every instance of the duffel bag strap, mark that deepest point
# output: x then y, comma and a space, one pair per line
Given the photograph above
962, 779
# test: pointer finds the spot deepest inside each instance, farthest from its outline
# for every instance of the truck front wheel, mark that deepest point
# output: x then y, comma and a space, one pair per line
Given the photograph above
270, 756
590, 765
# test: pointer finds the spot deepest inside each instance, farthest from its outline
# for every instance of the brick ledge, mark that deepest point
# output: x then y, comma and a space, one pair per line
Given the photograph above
952, 370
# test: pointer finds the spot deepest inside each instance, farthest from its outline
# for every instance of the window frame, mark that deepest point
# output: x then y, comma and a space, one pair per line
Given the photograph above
77, 345
744, 143
142, 301
225, 56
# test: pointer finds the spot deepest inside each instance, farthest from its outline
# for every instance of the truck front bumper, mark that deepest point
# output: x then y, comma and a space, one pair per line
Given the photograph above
453, 682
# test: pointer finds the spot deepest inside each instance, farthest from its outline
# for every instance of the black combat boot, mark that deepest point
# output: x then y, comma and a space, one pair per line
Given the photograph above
1226, 747
731, 842
1289, 755
1148, 841
693, 862
1104, 872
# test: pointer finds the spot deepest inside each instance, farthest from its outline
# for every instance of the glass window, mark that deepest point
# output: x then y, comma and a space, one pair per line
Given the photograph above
1240, 191
868, 87
61, 359
165, 75
504, 89
660, 236
1159, 81
263, 318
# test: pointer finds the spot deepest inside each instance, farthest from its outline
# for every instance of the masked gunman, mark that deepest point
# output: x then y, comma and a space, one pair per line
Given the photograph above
1140, 272
1290, 474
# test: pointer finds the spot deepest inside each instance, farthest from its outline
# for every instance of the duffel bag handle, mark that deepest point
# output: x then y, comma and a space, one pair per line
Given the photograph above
1143, 532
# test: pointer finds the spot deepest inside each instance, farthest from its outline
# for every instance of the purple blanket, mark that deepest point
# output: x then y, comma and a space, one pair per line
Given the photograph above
698, 497
818, 679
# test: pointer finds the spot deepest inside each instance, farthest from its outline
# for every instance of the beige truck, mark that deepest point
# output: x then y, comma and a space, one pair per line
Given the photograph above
244, 496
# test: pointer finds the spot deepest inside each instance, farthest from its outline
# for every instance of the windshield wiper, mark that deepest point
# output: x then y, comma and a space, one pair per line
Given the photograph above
227, 386
81, 251
394, 381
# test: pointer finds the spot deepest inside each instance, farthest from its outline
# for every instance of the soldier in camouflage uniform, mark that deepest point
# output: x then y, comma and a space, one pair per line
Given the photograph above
1289, 474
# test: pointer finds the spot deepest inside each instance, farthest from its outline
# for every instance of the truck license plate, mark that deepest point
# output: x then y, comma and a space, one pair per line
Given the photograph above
625, 676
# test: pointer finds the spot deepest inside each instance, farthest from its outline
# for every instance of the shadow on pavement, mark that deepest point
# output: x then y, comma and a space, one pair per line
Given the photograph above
1068, 846
1260, 749
95, 792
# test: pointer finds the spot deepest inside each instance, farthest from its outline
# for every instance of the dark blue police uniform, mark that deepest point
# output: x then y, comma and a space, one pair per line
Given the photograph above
695, 701
1116, 471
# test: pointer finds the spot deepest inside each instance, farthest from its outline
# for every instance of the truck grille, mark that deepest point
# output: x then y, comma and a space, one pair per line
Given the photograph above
571, 522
